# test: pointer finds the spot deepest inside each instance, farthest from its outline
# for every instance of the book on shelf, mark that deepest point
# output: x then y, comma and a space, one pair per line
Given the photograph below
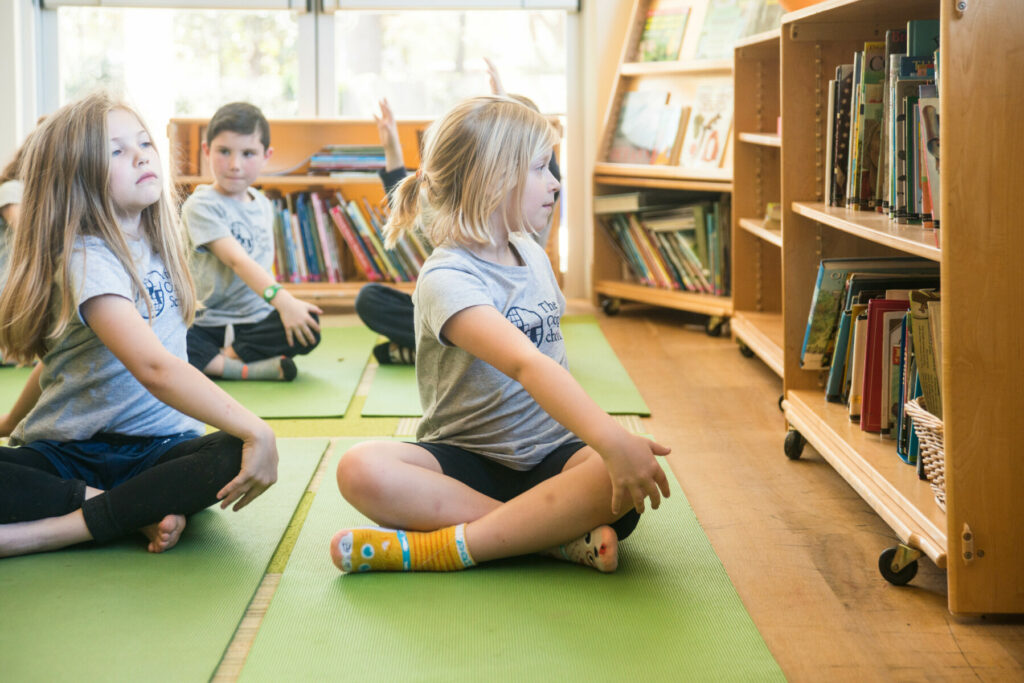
857, 358
910, 388
668, 141
347, 158
664, 28
892, 327
707, 131
875, 362
636, 130
895, 44
922, 37
829, 298
866, 113
924, 352
725, 22
839, 135
928, 147
640, 200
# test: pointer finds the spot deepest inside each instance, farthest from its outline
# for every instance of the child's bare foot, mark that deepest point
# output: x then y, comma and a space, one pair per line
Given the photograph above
164, 534
598, 549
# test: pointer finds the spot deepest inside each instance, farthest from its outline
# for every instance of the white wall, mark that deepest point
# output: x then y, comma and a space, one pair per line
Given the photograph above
595, 44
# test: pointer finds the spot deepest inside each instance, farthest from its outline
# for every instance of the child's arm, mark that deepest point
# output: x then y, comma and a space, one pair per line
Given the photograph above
495, 79
295, 313
387, 131
26, 401
635, 475
119, 326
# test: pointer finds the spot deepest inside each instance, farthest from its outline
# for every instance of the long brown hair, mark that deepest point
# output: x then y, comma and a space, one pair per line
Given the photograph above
475, 160
66, 175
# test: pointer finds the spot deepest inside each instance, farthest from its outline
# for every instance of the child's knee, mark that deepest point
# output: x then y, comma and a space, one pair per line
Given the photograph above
355, 471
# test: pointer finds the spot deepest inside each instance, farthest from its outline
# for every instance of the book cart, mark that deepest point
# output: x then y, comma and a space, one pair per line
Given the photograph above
611, 282
294, 141
756, 321
978, 537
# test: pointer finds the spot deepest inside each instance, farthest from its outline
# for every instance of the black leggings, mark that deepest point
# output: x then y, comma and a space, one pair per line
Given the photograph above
253, 341
183, 481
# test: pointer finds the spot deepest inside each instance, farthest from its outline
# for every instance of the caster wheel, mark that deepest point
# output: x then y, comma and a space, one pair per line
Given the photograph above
782, 397
898, 577
794, 444
746, 351
713, 326
611, 306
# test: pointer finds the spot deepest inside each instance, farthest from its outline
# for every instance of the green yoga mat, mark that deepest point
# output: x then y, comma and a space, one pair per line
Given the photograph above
12, 381
668, 613
591, 360
326, 382
116, 612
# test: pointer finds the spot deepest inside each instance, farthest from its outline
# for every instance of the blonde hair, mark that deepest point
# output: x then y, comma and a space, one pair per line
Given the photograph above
475, 162
67, 196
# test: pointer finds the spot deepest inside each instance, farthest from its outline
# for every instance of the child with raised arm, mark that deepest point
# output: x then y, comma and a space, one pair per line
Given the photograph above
389, 311
512, 457
231, 225
107, 433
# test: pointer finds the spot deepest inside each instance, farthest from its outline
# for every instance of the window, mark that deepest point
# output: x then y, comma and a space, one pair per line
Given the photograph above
384, 54
172, 63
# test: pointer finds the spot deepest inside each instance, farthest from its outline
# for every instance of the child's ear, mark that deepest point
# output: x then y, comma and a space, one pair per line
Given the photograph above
266, 155
206, 149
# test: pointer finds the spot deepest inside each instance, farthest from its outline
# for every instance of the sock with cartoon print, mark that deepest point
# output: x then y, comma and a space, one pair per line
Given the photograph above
393, 550
276, 368
598, 549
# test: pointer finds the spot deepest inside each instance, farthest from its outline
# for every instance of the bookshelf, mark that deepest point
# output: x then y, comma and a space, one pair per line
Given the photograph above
756, 321
293, 141
680, 78
978, 537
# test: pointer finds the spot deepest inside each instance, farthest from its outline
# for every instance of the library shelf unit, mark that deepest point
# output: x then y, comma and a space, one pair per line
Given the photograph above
756, 321
978, 537
611, 282
293, 141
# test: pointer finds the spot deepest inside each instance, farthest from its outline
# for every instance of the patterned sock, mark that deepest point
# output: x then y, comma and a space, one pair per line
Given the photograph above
390, 353
391, 550
598, 549
277, 368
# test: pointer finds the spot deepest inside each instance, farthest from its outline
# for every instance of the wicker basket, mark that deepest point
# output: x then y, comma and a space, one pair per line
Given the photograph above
933, 457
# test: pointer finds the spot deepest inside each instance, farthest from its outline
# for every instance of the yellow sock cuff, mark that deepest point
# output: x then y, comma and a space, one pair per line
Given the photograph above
375, 549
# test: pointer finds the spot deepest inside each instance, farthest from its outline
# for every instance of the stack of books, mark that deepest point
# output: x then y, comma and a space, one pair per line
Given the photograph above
343, 160
324, 237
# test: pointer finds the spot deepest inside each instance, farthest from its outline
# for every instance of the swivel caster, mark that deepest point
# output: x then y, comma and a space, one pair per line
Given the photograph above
794, 444
782, 397
746, 351
611, 306
713, 325
898, 564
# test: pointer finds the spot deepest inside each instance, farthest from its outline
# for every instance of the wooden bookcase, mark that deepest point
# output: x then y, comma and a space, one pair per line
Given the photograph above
611, 282
756, 321
979, 537
293, 141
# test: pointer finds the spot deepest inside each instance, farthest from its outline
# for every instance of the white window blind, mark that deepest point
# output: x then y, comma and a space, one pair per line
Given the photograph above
336, 5
294, 5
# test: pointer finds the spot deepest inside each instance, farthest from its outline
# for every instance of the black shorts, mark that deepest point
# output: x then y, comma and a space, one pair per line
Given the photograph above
497, 481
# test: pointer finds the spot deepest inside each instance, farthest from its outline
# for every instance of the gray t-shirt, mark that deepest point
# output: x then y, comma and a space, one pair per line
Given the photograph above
467, 402
208, 215
85, 388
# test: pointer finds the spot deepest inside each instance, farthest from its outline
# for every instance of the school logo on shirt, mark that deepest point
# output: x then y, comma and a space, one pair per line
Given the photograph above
161, 292
528, 322
241, 232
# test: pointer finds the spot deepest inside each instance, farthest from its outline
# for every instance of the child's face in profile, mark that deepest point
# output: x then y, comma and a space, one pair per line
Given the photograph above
236, 160
539, 193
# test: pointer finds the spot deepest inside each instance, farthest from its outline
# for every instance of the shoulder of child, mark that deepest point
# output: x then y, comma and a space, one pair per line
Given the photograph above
204, 199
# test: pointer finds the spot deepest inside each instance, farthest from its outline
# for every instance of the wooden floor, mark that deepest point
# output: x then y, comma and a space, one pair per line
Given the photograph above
799, 545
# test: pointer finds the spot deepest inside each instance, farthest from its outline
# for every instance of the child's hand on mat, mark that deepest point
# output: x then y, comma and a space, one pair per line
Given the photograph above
636, 475
258, 473
299, 325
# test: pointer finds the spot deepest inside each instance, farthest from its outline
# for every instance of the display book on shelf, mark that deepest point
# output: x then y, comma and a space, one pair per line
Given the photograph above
756, 323
977, 537
667, 127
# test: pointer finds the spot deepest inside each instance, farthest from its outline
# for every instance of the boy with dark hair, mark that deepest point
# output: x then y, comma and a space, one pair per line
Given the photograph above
249, 328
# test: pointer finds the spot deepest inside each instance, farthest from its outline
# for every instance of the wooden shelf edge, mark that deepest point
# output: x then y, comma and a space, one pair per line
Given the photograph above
763, 139
706, 304
676, 67
920, 526
750, 329
753, 226
874, 227
718, 175
760, 39
286, 180
337, 293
